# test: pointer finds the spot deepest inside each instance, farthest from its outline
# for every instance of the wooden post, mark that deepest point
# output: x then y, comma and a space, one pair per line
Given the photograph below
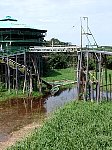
110, 82
6, 76
86, 82
37, 76
24, 86
92, 94
80, 77
30, 82
16, 76
106, 77
96, 77
8, 70
99, 79
102, 78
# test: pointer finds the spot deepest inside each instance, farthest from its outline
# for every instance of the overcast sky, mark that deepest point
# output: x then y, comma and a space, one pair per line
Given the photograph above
61, 18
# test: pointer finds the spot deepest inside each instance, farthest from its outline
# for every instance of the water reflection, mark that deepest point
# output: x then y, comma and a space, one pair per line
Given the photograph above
18, 113
54, 102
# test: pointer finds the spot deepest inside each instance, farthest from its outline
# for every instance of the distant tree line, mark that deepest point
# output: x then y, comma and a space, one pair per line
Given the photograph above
56, 42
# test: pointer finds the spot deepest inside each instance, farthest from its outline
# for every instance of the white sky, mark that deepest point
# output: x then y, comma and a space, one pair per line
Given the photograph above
59, 17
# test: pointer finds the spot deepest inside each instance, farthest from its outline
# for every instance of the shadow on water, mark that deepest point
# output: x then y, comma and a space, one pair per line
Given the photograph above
17, 113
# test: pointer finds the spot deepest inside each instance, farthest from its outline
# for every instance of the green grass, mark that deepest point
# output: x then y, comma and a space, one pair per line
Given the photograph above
76, 126
108, 72
5, 95
60, 74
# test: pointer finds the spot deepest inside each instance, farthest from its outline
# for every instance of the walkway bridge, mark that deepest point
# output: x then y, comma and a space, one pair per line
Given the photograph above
54, 49
23, 65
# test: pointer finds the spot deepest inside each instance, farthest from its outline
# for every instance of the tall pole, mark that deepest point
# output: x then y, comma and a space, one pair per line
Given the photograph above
87, 27
16, 75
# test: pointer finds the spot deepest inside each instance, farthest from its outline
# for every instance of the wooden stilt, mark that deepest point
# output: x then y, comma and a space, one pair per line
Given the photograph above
110, 83
102, 78
99, 78
31, 88
86, 82
16, 76
24, 86
92, 94
106, 77
8, 70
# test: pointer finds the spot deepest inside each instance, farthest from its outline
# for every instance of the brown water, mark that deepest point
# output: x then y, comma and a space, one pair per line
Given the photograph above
16, 114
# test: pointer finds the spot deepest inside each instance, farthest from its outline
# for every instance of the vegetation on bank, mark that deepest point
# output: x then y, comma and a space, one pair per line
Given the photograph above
6, 95
77, 125
60, 74
53, 75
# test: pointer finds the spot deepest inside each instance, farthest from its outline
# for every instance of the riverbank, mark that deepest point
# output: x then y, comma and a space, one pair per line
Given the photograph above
77, 125
19, 135
6, 96
16, 115
53, 75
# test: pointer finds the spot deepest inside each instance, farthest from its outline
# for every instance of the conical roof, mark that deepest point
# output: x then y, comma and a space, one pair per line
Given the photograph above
9, 22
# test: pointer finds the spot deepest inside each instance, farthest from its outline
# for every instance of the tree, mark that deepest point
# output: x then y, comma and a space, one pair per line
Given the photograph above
58, 61
54, 41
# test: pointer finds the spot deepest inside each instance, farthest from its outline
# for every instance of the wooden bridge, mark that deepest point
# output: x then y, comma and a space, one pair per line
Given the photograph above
55, 49
26, 67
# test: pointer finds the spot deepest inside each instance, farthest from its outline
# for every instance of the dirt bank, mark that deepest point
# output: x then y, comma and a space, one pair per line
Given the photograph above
18, 135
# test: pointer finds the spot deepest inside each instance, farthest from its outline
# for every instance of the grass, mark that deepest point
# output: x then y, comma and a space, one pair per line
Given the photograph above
60, 74
5, 95
76, 126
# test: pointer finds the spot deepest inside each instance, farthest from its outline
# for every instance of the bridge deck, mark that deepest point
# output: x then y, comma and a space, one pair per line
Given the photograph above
54, 49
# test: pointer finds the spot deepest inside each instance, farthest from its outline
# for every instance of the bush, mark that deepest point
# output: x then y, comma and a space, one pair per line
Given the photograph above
58, 61
109, 62
2, 87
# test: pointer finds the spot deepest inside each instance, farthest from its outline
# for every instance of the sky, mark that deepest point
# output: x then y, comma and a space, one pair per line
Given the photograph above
61, 18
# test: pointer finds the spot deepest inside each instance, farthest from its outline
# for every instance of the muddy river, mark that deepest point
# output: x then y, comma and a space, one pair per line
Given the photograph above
16, 114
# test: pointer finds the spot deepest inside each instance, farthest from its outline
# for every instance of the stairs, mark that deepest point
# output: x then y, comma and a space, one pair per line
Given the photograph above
13, 64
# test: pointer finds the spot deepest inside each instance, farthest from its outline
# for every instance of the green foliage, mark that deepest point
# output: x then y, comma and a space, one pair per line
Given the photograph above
58, 61
55, 41
109, 62
2, 87
76, 126
91, 64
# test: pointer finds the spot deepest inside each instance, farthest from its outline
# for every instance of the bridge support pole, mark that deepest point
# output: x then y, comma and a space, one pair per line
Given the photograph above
80, 77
